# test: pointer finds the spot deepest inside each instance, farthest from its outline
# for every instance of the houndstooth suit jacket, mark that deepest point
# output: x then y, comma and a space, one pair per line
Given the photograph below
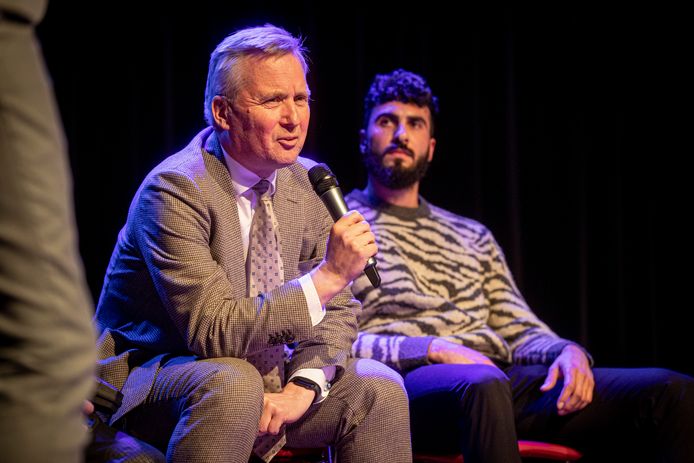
176, 282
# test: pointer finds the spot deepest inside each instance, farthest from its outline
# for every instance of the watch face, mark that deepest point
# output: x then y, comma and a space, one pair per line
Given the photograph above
308, 384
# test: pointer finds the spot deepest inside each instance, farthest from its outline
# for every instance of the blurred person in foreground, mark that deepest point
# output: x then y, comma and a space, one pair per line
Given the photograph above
46, 338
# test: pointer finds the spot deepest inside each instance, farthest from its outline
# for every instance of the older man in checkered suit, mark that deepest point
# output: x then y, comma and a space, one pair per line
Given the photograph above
193, 330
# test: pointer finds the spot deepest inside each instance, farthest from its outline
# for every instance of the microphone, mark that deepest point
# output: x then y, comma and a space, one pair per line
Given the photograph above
326, 187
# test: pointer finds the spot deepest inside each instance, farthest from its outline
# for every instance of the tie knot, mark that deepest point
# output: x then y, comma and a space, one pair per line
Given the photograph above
261, 187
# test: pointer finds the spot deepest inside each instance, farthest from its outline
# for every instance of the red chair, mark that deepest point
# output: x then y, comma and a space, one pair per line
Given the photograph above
303, 456
527, 449
532, 449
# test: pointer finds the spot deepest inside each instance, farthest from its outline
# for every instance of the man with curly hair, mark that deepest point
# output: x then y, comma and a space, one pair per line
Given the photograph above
481, 369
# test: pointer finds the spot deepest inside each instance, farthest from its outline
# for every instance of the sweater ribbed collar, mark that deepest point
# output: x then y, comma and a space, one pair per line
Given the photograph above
407, 213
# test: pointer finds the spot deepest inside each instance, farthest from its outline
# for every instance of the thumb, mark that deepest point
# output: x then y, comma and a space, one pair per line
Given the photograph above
551, 380
87, 407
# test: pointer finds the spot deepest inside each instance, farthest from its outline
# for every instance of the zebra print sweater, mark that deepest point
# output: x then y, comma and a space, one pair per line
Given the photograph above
442, 276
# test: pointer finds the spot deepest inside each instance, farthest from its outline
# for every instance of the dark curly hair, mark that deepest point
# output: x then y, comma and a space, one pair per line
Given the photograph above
402, 86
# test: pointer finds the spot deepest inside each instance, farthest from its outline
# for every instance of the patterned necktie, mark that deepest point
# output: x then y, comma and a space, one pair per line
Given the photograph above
264, 272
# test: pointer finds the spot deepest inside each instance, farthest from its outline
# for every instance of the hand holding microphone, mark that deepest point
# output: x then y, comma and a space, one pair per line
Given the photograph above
326, 187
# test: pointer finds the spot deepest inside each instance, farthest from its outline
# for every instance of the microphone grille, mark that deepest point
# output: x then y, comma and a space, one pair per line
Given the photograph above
321, 178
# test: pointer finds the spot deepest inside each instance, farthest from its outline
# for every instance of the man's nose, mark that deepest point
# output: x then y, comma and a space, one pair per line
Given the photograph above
401, 133
290, 113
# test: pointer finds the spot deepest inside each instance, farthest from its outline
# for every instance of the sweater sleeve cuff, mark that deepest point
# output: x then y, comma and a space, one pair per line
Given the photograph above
414, 352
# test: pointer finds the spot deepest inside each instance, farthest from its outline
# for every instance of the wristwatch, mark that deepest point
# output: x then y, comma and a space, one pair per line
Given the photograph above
311, 385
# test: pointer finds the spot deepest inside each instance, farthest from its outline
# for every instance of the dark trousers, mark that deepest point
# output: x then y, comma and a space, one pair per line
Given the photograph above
481, 411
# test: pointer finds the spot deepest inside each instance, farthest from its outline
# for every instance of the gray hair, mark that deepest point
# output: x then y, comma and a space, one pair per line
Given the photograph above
223, 77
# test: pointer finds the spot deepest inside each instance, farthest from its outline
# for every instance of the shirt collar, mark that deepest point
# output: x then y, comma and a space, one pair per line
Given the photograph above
243, 179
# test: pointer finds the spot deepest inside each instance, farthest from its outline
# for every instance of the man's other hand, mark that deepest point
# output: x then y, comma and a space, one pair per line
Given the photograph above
284, 408
442, 351
572, 365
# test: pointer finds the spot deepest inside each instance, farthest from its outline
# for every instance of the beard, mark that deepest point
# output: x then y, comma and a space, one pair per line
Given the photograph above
396, 176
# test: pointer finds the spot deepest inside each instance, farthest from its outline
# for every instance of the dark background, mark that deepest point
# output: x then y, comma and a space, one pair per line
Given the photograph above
566, 130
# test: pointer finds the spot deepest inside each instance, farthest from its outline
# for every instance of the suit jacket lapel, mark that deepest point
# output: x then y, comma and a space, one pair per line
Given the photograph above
217, 168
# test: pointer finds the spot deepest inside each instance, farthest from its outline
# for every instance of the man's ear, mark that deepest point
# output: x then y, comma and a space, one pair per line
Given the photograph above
221, 112
363, 142
432, 146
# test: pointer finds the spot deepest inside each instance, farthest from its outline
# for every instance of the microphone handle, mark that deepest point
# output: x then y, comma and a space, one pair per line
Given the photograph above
335, 203
372, 273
